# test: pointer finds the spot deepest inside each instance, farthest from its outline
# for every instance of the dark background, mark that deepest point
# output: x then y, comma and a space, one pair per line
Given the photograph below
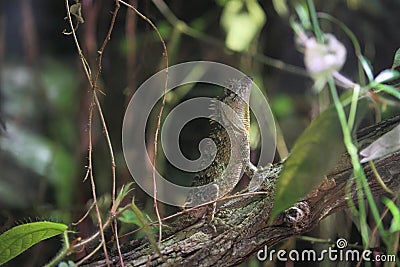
45, 97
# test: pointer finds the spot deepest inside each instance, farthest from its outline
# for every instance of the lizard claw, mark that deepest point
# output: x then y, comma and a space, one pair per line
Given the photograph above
256, 181
258, 177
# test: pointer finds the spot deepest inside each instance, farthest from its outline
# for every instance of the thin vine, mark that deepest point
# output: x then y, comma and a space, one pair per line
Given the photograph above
156, 134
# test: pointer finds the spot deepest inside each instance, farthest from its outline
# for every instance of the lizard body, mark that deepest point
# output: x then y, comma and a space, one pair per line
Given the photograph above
219, 178
232, 139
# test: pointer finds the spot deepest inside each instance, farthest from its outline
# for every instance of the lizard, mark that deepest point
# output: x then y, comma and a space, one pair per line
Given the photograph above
232, 112
218, 178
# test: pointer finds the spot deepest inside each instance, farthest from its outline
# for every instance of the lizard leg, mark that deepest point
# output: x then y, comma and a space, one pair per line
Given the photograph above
256, 176
250, 170
201, 195
214, 204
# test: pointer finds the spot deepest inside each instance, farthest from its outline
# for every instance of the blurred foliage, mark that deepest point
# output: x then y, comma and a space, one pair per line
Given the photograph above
44, 97
314, 154
44, 148
242, 21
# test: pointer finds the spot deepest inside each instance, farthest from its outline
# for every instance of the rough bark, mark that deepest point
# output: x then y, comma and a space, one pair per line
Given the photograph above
241, 225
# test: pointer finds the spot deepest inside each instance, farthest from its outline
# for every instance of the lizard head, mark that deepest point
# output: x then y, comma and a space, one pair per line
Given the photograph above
239, 89
237, 97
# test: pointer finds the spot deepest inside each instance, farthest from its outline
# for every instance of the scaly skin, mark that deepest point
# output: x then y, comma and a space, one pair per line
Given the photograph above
219, 177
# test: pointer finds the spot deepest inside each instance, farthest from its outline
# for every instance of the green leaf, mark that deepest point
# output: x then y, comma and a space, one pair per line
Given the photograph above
19, 238
367, 68
146, 228
388, 89
128, 216
396, 60
124, 192
303, 13
313, 155
394, 210
281, 7
387, 76
242, 21
121, 195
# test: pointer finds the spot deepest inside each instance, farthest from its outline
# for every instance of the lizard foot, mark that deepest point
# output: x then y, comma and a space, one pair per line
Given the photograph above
213, 222
257, 178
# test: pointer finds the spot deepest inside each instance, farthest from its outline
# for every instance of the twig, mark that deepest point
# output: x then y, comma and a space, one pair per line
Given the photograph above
186, 29
212, 202
91, 254
373, 232
85, 215
105, 225
90, 164
379, 179
103, 122
159, 114
115, 227
244, 224
154, 223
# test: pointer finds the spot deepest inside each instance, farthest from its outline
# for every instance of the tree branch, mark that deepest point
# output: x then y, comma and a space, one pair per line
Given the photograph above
241, 225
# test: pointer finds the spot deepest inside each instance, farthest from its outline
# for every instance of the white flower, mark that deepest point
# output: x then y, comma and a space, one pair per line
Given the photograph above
322, 60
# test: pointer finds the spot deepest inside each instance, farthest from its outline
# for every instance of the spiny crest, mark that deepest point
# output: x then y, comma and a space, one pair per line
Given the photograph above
239, 87
235, 90
215, 108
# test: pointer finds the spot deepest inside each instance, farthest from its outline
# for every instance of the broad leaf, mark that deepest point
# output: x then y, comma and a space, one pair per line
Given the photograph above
242, 21
19, 238
396, 60
313, 155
